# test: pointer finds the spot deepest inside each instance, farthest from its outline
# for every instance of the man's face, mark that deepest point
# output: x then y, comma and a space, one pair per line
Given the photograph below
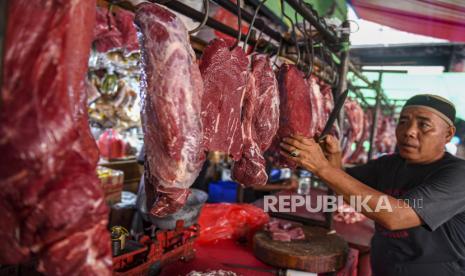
422, 135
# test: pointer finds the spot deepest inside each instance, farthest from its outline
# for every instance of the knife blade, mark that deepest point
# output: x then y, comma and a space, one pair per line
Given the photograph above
334, 114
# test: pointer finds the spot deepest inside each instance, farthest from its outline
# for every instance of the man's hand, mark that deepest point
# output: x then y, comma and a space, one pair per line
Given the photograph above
332, 150
305, 152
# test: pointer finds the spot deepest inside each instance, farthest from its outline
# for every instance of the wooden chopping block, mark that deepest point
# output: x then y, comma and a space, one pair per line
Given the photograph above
319, 252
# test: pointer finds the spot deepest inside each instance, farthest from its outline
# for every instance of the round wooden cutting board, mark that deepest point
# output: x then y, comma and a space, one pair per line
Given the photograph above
318, 253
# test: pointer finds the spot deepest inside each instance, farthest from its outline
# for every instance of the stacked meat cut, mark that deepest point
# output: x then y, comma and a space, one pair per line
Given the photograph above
226, 77
51, 205
260, 122
296, 116
115, 30
360, 154
385, 141
171, 109
354, 127
239, 108
284, 231
319, 112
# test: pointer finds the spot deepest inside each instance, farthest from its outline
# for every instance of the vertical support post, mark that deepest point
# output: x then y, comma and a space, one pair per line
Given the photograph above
374, 125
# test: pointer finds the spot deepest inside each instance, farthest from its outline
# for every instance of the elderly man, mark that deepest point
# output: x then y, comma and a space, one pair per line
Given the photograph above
427, 235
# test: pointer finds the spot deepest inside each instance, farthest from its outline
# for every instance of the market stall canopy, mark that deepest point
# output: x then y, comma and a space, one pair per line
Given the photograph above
437, 18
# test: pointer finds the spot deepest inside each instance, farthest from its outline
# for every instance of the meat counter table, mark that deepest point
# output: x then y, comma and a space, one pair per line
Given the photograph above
229, 255
358, 235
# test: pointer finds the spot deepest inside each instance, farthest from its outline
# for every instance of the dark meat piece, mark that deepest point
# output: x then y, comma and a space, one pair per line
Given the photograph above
225, 76
281, 236
266, 115
171, 92
360, 155
259, 123
284, 231
250, 169
51, 203
354, 123
115, 30
295, 115
125, 24
385, 141
106, 35
319, 106
296, 233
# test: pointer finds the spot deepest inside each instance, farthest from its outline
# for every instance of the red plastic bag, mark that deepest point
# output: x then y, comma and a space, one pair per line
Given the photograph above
229, 221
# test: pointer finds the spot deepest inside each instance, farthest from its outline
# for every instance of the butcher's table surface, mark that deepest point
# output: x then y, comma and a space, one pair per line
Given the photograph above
216, 256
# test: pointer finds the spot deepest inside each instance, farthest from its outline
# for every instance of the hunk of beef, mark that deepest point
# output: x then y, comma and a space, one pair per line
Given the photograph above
284, 231
250, 168
328, 105
385, 141
225, 76
125, 24
260, 122
115, 30
295, 108
354, 122
51, 204
171, 88
360, 155
345, 213
266, 115
106, 36
319, 114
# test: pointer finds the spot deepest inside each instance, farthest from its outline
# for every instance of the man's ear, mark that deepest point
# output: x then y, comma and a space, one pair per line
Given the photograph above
450, 132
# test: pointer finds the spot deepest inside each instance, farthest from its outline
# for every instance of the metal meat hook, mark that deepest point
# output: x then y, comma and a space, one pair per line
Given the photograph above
310, 53
239, 24
206, 9
252, 23
293, 31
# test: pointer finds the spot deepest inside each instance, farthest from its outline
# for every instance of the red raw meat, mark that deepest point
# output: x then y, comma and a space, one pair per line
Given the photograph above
354, 123
296, 233
171, 92
260, 122
360, 154
51, 203
281, 236
295, 107
115, 30
106, 35
385, 141
345, 213
266, 115
250, 169
225, 75
284, 231
125, 24
319, 112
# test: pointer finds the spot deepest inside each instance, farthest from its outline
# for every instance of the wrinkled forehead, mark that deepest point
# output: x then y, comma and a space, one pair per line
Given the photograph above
422, 113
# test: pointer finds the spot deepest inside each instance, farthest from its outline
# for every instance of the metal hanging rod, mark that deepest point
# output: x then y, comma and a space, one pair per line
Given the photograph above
211, 22
246, 16
264, 11
313, 18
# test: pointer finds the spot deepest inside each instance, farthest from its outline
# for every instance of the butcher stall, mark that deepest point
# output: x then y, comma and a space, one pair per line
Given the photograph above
142, 137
